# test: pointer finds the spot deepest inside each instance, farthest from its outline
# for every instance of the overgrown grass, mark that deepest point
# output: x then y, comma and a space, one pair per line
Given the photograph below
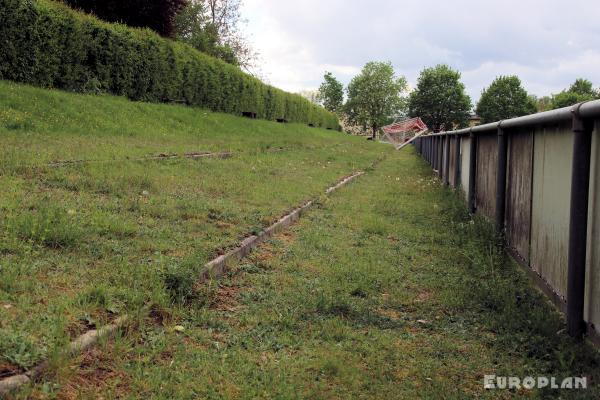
48, 226
85, 243
387, 290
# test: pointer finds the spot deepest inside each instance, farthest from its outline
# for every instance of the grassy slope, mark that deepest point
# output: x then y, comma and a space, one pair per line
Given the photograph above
39, 126
84, 243
388, 290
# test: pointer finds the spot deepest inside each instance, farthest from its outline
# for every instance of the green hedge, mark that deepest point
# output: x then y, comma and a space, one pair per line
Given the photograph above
47, 44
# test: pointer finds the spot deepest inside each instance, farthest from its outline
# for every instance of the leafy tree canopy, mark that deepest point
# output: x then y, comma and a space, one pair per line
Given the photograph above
375, 95
194, 27
331, 93
214, 27
505, 98
440, 99
581, 90
543, 103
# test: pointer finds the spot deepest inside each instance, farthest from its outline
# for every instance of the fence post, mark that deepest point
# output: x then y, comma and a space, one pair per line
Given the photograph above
457, 161
501, 179
580, 185
472, 172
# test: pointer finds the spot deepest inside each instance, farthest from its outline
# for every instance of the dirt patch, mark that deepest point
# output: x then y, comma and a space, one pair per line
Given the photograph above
423, 296
287, 237
7, 370
226, 298
223, 225
159, 315
265, 253
79, 327
95, 373
388, 313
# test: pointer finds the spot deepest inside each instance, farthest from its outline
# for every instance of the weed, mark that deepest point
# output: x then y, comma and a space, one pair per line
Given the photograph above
48, 226
19, 350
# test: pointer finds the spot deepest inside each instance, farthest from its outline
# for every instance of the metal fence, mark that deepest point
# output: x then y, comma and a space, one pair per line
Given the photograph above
538, 179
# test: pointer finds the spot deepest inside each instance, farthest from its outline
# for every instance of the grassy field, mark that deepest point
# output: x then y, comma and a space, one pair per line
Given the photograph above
84, 243
387, 289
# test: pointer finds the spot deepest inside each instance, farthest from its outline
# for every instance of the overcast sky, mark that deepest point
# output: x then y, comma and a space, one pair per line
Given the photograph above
546, 43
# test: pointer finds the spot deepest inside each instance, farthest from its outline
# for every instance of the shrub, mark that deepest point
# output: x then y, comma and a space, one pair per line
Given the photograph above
47, 44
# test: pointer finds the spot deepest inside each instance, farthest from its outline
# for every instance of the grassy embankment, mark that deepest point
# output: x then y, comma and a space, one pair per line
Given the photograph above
386, 290
85, 243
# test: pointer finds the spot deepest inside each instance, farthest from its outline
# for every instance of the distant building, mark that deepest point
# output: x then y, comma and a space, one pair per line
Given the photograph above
474, 120
402, 132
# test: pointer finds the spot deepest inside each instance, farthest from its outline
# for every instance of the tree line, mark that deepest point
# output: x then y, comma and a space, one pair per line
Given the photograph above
377, 96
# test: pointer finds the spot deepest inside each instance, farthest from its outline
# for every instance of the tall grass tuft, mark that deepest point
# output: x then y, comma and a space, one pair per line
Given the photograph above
47, 226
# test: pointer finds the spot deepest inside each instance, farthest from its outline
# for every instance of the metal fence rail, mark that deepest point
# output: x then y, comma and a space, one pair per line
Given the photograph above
537, 178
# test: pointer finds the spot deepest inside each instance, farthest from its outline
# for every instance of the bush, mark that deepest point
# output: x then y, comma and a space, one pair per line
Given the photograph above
47, 44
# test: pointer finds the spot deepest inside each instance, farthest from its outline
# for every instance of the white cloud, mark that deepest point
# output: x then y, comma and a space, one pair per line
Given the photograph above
547, 43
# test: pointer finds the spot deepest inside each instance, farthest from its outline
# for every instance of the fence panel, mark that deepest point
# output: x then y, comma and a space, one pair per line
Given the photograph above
552, 166
454, 163
487, 166
592, 302
519, 191
465, 157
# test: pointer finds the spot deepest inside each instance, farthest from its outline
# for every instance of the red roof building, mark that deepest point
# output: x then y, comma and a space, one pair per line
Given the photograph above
402, 132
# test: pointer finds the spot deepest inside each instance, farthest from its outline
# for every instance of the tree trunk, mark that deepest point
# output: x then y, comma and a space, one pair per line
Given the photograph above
374, 133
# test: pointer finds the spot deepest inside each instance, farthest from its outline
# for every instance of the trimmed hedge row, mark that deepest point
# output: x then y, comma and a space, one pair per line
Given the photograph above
47, 44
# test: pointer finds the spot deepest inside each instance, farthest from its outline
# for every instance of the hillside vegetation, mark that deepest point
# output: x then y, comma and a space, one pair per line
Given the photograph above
47, 44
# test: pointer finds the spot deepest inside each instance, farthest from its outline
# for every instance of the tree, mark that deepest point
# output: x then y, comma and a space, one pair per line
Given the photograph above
214, 27
581, 90
331, 93
158, 15
505, 98
194, 27
543, 103
440, 99
375, 95
583, 87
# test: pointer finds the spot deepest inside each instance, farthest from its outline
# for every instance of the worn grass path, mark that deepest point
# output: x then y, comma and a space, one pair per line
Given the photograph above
387, 291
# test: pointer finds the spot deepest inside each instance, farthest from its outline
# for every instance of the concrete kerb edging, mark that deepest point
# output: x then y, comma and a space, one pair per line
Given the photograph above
193, 156
161, 157
77, 346
219, 266
214, 269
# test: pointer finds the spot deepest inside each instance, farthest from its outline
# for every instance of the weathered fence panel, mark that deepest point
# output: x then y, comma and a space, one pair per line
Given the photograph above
465, 153
487, 165
592, 303
454, 162
538, 217
519, 191
553, 155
